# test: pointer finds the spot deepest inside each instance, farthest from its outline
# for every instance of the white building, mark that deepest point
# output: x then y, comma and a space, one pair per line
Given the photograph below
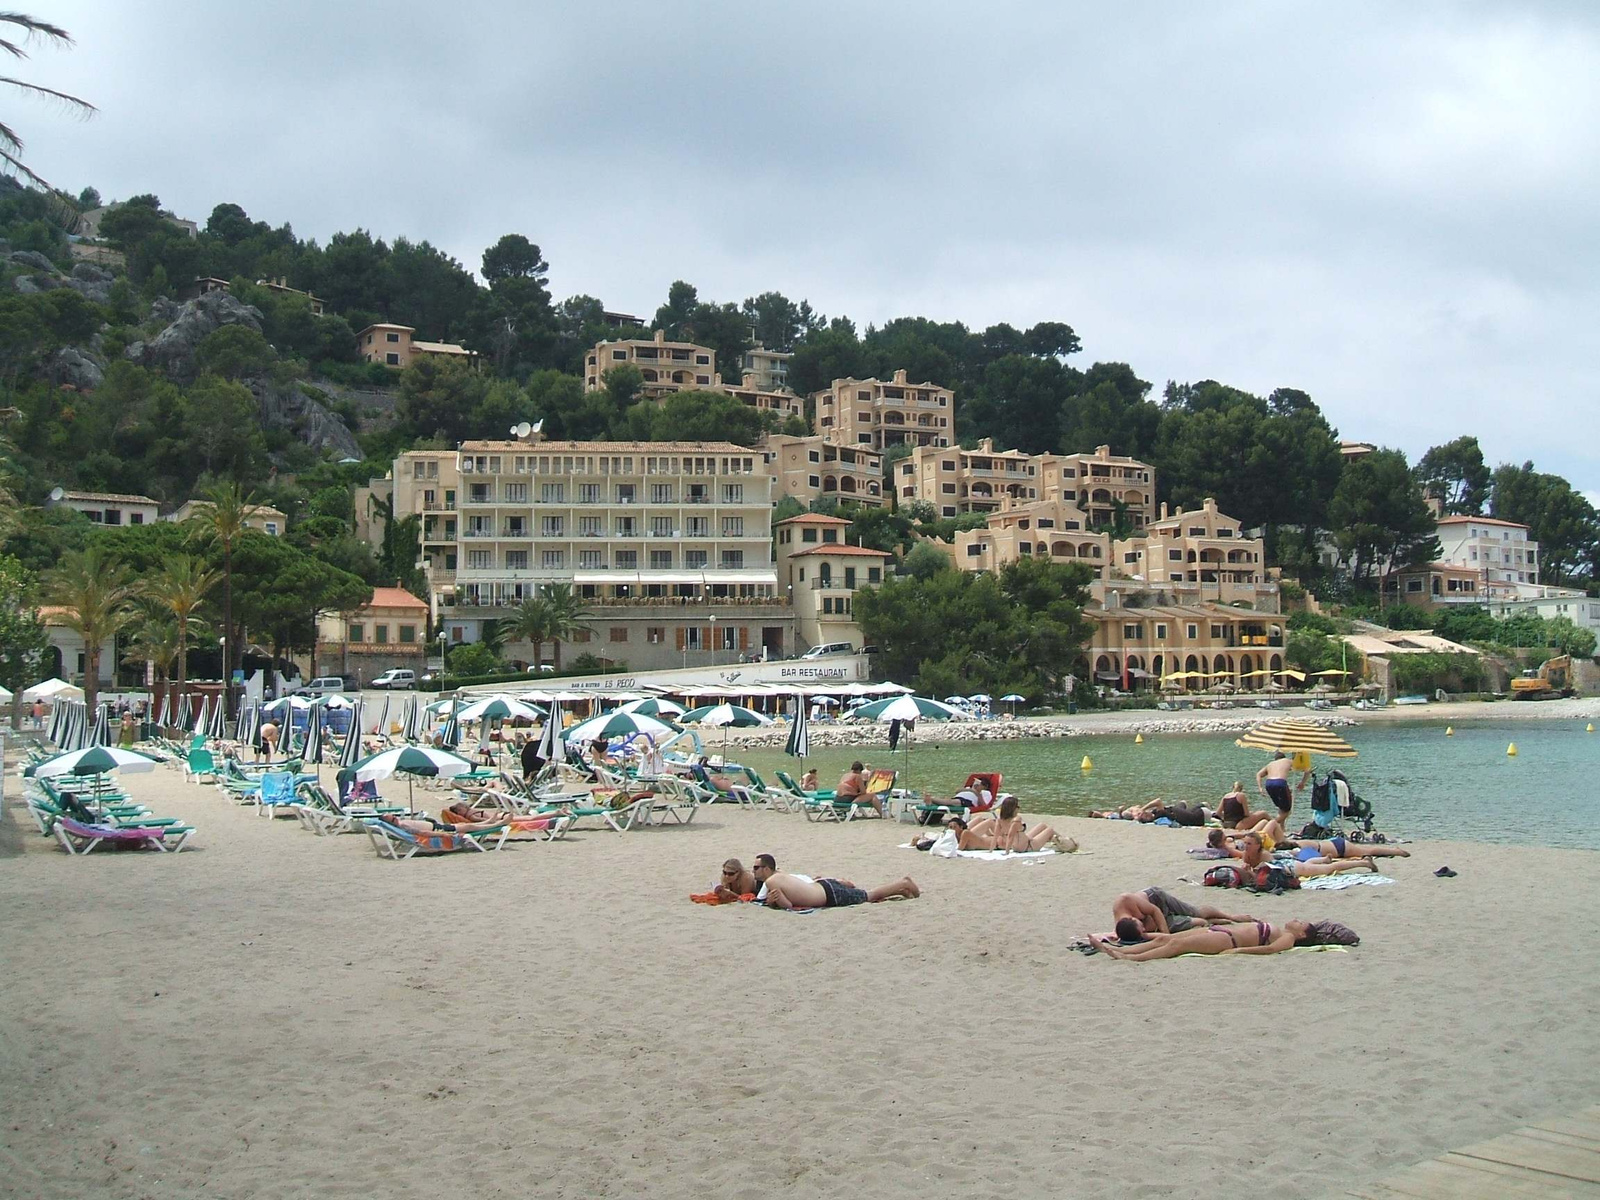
106, 508
1576, 606
1501, 550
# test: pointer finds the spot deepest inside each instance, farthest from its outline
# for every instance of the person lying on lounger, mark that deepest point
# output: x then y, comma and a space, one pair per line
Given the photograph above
1248, 937
1336, 848
467, 816
1159, 911
735, 882
1253, 853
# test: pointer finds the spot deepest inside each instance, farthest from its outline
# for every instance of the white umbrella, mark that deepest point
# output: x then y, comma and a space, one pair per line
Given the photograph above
52, 689
909, 708
616, 724
411, 761
502, 708
655, 707
552, 747
202, 717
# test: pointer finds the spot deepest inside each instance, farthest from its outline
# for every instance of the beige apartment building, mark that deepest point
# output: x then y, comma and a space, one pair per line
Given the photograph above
1196, 556
769, 367
398, 346
668, 544
879, 413
106, 508
1054, 529
263, 517
957, 481
1140, 645
1100, 482
389, 630
666, 366
812, 468
821, 573
780, 404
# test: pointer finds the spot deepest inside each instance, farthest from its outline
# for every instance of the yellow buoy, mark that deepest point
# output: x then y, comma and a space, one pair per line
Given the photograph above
1589, 728
1138, 739
1086, 764
1511, 750
1449, 731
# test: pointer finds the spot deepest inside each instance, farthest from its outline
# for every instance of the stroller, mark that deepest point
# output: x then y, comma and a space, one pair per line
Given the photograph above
1334, 801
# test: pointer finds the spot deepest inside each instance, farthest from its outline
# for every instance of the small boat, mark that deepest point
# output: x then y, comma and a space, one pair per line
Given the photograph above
1410, 699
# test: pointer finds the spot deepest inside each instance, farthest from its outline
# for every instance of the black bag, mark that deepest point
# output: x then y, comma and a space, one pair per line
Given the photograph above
1322, 794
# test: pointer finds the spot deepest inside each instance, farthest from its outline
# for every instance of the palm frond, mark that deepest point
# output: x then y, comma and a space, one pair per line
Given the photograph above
85, 109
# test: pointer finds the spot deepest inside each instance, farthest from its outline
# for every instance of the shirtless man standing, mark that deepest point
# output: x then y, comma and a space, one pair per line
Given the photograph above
1273, 782
1162, 912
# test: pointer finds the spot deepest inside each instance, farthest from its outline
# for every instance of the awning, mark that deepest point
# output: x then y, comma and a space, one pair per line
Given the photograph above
669, 576
741, 577
605, 577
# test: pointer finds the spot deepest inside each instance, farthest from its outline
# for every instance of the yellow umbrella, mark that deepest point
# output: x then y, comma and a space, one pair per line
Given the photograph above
1255, 674
1182, 675
1297, 676
1293, 737
1332, 671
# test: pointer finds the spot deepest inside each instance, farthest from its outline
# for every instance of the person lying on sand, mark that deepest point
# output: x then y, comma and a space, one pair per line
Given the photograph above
1252, 851
780, 890
735, 882
1335, 848
1250, 937
1134, 812
1159, 911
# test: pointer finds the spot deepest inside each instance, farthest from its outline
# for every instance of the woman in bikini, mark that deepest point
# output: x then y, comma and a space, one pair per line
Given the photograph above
1243, 937
1007, 831
1337, 847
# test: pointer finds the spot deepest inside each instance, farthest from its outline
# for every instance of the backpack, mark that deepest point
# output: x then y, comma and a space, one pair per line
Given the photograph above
1274, 879
1322, 794
1224, 875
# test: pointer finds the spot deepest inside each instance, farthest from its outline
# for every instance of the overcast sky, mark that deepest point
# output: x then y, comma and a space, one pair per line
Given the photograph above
1388, 205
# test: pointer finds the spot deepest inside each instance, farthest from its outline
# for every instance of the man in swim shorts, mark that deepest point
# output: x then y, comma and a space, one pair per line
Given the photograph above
800, 891
1160, 911
1273, 780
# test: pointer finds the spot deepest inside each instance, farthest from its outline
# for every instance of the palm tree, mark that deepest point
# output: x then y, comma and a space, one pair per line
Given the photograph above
534, 620
154, 639
567, 612
10, 143
221, 519
93, 594
179, 591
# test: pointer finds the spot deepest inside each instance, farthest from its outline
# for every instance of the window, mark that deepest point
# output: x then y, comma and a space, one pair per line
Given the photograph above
582, 636
588, 493
1174, 555
660, 527
478, 493
627, 493
874, 574
850, 578
830, 535
1192, 631
380, 634
655, 634
733, 493
1161, 632
694, 559
1132, 556
392, 359
732, 526
661, 560
814, 481
617, 633
948, 489
516, 560
272, 528
590, 527
813, 456
808, 535
136, 518
553, 493
552, 560
627, 527
627, 560
699, 527
661, 493
516, 493
357, 631
408, 634
478, 560
1218, 632
1413, 585
552, 526
733, 560
702, 360
592, 560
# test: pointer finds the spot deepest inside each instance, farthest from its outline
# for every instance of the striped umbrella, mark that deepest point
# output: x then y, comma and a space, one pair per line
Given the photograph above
799, 743
382, 728
185, 712
450, 735
1290, 736
161, 710
68, 725
312, 752
102, 726
653, 706
724, 715
552, 747
202, 717
909, 708
350, 753
242, 725
81, 723
410, 726
411, 761
93, 760
250, 724
617, 724
58, 712
219, 719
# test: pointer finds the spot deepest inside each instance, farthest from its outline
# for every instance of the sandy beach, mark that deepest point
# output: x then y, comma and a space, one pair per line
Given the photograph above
276, 1014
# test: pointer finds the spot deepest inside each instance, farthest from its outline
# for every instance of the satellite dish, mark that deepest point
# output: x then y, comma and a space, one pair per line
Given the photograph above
56, 494
523, 429
537, 425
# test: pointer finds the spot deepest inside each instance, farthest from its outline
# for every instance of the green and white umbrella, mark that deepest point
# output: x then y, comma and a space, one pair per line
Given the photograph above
724, 715
653, 706
411, 761
93, 760
499, 708
909, 708
619, 724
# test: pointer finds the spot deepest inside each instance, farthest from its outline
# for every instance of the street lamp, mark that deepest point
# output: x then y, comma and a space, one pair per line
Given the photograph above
227, 682
713, 639
441, 659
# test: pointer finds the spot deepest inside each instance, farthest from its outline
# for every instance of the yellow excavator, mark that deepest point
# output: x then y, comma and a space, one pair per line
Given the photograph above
1552, 679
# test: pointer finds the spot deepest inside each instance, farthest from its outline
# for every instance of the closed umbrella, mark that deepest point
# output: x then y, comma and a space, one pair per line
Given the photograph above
410, 728
204, 715
219, 719
799, 743
312, 752
450, 736
251, 724
102, 726
162, 710
382, 729
909, 708
552, 746
185, 714
1292, 736
350, 752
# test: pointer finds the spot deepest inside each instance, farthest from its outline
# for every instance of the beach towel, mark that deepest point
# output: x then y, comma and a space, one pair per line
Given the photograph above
1337, 883
989, 855
713, 898
1087, 946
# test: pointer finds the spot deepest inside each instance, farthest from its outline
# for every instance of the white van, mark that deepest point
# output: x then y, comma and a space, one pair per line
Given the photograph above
327, 685
828, 649
395, 678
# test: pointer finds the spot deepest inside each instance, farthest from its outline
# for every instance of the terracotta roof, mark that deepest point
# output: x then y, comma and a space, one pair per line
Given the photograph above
614, 448
393, 597
1480, 521
816, 519
840, 548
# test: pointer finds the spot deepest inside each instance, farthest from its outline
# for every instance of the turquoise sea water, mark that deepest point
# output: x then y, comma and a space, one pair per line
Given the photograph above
1420, 783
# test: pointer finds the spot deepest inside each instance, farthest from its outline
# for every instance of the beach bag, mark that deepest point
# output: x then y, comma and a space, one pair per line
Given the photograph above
1227, 875
1276, 880
948, 845
1322, 795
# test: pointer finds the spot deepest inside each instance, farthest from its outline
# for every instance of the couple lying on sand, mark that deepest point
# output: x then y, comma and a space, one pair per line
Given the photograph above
1004, 830
1312, 857
778, 889
1156, 924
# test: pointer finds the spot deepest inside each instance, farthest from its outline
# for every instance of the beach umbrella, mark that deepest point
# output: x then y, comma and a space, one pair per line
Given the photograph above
1332, 671
1291, 673
618, 724
410, 728
312, 749
185, 714
1255, 674
92, 760
251, 724
799, 743
350, 752
552, 746
442, 705
162, 709
68, 733
1292, 736
655, 706
1013, 699
725, 715
219, 718
292, 703
102, 726
200, 719
954, 700
908, 708
499, 708
53, 689
382, 729
450, 735
411, 761
54, 728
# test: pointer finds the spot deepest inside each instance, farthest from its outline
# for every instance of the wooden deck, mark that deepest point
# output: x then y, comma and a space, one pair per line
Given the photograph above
1558, 1158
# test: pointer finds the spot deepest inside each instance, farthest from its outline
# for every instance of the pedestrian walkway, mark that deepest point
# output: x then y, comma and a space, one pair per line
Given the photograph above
1556, 1159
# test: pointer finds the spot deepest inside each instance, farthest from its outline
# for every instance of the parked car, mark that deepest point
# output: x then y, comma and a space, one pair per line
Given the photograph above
325, 685
396, 678
828, 649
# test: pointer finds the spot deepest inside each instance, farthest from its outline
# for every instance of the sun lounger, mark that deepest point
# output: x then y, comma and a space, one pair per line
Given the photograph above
795, 789
391, 841
321, 813
79, 838
620, 817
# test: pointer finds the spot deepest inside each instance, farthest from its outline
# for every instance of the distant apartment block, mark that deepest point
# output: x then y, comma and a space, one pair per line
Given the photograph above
957, 481
1501, 550
821, 574
398, 346
878, 413
780, 404
1102, 484
1054, 529
667, 367
770, 368
1196, 556
106, 508
813, 468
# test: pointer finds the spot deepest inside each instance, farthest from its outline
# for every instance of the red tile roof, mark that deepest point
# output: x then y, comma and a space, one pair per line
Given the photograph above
840, 548
815, 519
393, 597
